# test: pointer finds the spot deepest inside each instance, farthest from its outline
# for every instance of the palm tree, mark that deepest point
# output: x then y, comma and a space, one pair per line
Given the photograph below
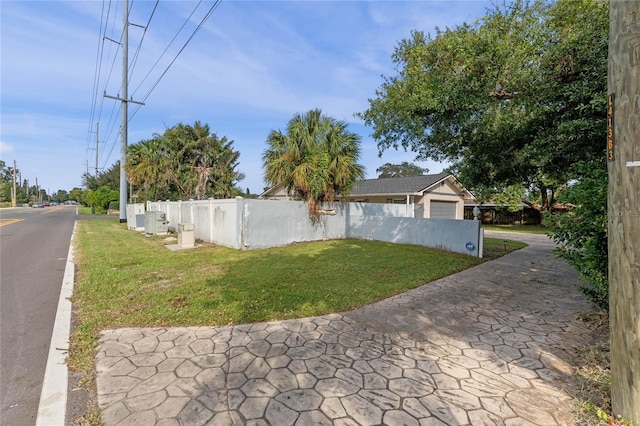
148, 166
213, 162
315, 160
184, 161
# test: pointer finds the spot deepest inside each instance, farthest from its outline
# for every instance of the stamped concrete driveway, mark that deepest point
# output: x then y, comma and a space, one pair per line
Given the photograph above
492, 345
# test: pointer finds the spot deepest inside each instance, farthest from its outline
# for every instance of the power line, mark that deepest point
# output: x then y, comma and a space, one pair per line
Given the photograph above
96, 79
105, 57
135, 56
167, 48
202, 22
104, 24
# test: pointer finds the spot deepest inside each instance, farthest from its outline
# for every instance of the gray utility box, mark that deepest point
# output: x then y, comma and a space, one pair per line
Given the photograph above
155, 223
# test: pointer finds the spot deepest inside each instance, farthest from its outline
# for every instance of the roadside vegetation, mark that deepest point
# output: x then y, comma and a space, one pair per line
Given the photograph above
581, 233
84, 211
593, 376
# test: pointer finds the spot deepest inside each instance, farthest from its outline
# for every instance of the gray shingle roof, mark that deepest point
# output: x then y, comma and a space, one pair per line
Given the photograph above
401, 185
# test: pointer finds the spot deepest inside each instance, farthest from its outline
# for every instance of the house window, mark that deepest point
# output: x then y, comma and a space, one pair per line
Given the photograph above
400, 201
389, 200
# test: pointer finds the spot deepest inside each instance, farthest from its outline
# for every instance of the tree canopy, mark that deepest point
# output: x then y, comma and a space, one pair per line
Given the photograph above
6, 172
581, 233
315, 159
518, 97
388, 170
6, 178
101, 198
184, 162
109, 178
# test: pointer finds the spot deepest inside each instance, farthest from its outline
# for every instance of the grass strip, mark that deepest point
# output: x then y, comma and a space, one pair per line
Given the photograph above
523, 229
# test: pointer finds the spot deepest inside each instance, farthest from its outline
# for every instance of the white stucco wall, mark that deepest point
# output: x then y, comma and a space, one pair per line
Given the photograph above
253, 224
269, 223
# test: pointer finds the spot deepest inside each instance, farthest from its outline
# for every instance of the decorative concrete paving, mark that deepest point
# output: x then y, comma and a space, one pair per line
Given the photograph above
492, 345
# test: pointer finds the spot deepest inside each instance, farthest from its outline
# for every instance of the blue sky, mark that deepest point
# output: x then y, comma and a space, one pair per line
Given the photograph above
247, 71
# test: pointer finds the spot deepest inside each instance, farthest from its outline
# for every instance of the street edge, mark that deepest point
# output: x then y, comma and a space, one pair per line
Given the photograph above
53, 399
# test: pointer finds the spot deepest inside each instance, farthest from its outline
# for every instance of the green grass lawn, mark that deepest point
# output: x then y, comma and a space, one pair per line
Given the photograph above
84, 210
125, 279
526, 229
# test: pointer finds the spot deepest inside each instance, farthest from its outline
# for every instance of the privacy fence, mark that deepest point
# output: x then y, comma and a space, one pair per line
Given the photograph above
254, 223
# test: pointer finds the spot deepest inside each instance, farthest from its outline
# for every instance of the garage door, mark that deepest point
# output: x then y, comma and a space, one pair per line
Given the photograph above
442, 210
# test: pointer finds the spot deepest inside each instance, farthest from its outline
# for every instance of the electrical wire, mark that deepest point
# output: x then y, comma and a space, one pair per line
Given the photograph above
135, 56
96, 80
167, 48
202, 22
111, 139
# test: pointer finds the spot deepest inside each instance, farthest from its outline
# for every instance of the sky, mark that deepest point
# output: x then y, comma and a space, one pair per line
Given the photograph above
248, 69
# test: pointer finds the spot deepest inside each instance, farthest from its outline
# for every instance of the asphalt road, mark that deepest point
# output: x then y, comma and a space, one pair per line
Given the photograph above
34, 245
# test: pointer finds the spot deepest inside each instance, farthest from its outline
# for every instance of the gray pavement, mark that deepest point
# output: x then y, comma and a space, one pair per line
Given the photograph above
492, 345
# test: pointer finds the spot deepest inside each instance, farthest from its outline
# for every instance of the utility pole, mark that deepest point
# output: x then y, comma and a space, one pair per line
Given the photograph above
125, 114
125, 119
97, 130
623, 151
14, 194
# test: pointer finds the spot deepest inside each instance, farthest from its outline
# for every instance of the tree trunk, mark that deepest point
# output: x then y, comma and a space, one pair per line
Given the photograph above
543, 196
203, 178
624, 207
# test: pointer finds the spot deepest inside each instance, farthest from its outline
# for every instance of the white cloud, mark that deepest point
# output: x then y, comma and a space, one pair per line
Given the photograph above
5, 148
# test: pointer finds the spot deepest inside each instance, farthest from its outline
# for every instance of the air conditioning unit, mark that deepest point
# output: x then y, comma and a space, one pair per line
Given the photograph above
155, 223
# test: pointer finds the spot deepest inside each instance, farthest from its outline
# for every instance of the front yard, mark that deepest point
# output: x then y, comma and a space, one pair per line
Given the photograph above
124, 279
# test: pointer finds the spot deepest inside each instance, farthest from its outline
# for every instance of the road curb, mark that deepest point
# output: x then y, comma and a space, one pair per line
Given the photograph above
53, 399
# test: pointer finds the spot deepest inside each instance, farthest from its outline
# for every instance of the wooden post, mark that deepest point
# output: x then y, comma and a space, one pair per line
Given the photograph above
623, 151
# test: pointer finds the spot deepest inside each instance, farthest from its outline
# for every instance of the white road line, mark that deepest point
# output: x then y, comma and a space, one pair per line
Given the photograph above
53, 399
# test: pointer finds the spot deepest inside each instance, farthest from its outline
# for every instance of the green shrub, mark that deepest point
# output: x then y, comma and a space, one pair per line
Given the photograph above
101, 198
581, 233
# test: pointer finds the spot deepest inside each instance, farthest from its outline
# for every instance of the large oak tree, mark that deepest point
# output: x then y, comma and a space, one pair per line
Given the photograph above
516, 98
388, 170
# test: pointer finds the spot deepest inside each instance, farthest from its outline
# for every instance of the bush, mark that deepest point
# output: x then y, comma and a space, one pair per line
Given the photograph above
581, 233
101, 198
